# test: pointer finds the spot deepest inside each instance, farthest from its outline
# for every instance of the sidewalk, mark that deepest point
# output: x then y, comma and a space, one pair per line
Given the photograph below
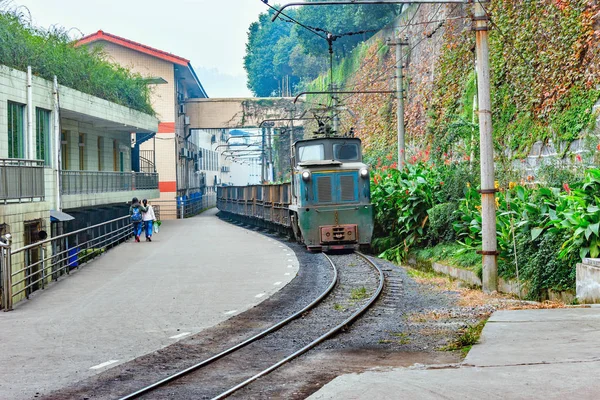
526, 354
136, 299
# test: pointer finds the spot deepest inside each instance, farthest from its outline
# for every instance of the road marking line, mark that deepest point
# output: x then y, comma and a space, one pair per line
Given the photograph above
258, 296
290, 260
290, 266
287, 274
180, 335
277, 284
230, 312
104, 364
288, 254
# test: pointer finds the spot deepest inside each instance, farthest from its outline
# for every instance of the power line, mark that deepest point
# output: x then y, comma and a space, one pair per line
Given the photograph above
294, 20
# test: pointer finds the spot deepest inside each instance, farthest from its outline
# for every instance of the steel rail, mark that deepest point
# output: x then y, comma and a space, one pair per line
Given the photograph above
319, 340
238, 346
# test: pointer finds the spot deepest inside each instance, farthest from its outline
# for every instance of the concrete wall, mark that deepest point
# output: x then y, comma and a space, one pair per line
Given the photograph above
236, 113
163, 95
588, 281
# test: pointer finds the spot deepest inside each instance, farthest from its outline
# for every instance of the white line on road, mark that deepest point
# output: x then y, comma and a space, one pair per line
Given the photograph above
180, 335
290, 260
288, 254
287, 274
230, 312
290, 266
277, 284
258, 296
104, 364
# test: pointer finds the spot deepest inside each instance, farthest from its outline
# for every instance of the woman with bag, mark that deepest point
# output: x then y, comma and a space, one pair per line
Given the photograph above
136, 214
149, 219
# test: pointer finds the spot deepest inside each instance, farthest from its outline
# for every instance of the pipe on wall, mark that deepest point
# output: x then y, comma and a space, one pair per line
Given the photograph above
29, 147
57, 145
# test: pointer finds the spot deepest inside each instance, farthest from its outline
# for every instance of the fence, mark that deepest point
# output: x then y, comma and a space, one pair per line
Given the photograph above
86, 182
21, 180
195, 205
184, 208
32, 267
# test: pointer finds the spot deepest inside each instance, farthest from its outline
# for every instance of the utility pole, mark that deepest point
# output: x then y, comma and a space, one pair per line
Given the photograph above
264, 158
334, 112
400, 97
489, 249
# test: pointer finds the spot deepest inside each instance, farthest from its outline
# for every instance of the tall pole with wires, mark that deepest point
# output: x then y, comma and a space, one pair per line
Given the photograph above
489, 250
399, 43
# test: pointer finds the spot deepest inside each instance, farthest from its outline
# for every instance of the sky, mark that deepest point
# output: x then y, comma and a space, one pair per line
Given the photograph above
212, 34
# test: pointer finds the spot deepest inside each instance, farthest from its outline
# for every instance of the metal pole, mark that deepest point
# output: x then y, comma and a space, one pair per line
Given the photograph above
488, 190
263, 165
334, 103
5, 246
270, 141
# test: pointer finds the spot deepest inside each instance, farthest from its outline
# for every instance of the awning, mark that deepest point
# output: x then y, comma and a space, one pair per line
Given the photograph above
60, 216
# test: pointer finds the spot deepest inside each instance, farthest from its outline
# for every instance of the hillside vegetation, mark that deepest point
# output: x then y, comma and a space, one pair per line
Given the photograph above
52, 52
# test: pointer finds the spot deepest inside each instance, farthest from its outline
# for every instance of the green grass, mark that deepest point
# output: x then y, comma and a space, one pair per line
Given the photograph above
466, 338
359, 294
338, 307
451, 254
400, 338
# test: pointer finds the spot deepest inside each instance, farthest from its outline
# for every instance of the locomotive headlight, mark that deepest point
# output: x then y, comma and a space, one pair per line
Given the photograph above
306, 176
364, 173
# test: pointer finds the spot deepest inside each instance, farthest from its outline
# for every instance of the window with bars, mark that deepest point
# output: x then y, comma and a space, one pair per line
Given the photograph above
16, 133
42, 135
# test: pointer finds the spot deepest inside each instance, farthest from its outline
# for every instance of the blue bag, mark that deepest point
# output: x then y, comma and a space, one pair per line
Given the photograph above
136, 216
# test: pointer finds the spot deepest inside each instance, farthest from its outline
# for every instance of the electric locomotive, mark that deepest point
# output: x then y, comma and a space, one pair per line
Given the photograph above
331, 203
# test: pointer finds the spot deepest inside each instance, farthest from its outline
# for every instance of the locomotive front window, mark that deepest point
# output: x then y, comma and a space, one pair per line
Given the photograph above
312, 152
346, 152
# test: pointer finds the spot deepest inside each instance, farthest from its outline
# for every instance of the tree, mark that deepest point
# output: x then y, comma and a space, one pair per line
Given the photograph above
282, 50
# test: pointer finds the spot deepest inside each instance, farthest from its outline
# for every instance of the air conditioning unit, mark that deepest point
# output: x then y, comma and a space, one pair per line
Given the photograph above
186, 120
181, 109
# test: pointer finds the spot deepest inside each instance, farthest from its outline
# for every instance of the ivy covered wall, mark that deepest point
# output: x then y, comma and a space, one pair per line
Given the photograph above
545, 60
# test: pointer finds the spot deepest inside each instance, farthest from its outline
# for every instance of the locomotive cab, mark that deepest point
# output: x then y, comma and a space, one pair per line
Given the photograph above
331, 202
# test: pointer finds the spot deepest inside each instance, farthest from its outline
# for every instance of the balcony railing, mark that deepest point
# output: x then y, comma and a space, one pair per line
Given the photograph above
87, 182
21, 180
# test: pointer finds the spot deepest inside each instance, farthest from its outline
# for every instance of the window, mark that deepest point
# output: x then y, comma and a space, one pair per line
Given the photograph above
16, 138
64, 150
100, 153
42, 135
311, 152
345, 152
82, 151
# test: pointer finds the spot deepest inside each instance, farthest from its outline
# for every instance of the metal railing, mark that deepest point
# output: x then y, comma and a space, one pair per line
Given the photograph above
189, 207
21, 180
147, 161
33, 267
86, 182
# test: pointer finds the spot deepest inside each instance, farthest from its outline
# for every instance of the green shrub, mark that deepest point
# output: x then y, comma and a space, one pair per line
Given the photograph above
441, 221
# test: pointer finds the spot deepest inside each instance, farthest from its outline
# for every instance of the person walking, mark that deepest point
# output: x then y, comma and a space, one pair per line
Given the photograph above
149, 218
135, 212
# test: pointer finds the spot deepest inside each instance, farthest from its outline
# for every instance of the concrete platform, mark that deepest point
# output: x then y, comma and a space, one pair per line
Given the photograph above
138, 298
527, 354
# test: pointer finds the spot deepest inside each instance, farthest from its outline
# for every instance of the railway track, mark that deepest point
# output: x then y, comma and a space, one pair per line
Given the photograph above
197, 379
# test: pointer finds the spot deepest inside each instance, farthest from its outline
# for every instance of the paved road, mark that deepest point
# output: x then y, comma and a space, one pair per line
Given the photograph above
528, 354
135, 299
